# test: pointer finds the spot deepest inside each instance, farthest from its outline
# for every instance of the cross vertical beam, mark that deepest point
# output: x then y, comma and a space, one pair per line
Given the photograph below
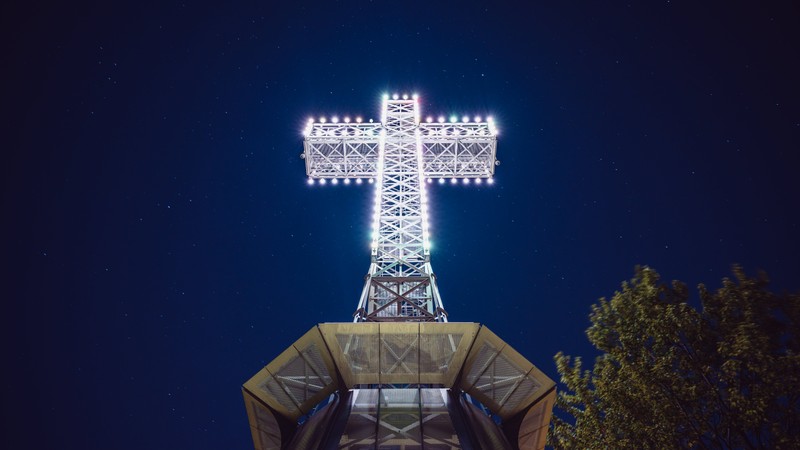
400, 284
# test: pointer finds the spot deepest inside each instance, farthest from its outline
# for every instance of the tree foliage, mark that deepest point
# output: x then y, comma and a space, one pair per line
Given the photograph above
726, 376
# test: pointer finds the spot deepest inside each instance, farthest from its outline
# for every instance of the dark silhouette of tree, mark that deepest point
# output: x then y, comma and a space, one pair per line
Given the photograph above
670, 376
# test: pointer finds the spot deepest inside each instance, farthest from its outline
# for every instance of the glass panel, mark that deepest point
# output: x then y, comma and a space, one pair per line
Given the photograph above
360, 430
400, 421
437, 428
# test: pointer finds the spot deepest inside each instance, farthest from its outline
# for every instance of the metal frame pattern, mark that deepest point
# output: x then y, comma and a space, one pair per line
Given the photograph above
397, 155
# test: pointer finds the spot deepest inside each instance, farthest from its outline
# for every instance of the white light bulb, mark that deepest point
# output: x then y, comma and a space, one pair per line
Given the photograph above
429, 119
415, 96
371, 180
478, 181
453, 181
358, 119
335, 119
430, 180
322, 119
346, 119
441, 180
310, 181
395, 97
477, 118
405, 96
347, 181
322, 181
358, 180
453, 119
490, 181
466, 181
335, 181
465, 119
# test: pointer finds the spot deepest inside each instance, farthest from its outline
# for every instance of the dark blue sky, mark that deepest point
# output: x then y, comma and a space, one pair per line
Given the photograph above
160, 244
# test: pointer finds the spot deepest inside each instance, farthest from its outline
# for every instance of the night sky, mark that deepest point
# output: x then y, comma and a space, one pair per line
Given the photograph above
160, 243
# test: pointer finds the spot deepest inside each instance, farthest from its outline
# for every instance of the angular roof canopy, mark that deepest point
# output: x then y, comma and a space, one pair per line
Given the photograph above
464, 357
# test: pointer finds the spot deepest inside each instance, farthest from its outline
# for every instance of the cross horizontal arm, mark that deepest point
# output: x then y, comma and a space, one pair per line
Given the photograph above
449, 150
342, 150
458, 150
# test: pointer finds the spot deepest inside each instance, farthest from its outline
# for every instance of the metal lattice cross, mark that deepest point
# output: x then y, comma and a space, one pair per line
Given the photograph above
398, 155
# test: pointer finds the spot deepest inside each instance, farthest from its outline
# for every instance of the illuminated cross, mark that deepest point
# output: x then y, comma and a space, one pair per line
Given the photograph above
398, 155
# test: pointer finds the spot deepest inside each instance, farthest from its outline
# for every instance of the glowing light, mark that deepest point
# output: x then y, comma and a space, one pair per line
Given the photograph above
395, 97
358, 119
370, 120
334, 181
386, 96
335, 119
453, 181
347, 181
358, 180
441, 119
310, 120
429, 119
405, 96
478, 181
430, 180
371, 180
346, 119
465, 180
322, 181
415, 96
453, 119
490, 181
310, 181
492, 126
322, 119
441, 180
465, 119
477, 118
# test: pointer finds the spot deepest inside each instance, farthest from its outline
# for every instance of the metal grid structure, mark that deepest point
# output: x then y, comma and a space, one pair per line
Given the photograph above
398, 155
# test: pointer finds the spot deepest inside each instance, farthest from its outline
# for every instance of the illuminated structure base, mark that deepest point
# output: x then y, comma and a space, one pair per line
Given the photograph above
403, 386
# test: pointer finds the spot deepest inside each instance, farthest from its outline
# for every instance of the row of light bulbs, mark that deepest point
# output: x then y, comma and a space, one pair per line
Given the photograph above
335, 181
454, 119
397, 96
429, 119
335, 119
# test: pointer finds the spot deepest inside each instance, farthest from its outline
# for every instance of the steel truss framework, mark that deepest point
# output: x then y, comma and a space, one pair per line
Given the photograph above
398, 154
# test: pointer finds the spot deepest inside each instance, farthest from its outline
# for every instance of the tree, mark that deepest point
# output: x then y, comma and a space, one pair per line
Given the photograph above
726, 376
